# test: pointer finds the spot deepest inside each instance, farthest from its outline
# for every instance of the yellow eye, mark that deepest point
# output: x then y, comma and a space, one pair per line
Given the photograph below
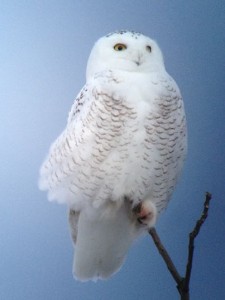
120, 47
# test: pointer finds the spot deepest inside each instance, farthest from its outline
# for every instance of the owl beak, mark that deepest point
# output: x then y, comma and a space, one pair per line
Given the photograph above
138, 61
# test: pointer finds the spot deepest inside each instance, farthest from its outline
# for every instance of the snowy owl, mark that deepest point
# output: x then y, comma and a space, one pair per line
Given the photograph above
118, 160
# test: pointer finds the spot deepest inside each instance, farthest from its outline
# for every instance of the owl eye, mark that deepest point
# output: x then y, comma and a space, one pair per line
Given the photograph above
149, 48
120, 47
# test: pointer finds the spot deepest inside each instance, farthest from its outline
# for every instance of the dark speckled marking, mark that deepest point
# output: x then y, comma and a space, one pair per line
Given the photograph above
133, 34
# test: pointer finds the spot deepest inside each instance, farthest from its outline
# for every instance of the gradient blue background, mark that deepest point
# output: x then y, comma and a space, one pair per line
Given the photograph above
44, 46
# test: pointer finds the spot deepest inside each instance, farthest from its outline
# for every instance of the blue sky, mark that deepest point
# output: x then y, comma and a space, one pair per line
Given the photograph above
43, 54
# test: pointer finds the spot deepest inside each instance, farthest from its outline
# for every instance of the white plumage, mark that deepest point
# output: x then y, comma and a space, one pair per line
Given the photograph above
118, 160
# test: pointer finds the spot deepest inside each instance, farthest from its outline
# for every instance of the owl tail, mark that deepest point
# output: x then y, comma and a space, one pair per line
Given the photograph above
102, 243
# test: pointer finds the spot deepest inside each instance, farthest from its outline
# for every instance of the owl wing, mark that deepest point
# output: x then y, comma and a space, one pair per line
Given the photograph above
74, 159
70, 150
59, 162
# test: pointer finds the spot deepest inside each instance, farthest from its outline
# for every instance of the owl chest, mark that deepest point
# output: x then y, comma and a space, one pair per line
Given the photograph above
132, 129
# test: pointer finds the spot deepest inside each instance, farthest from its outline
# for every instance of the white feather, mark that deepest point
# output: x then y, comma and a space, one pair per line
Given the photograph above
102, 242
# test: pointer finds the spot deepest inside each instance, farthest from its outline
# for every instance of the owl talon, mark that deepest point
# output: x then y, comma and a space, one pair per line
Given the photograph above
142, 220
146, 213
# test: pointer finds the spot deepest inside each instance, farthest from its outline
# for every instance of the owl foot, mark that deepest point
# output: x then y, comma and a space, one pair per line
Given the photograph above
146, 213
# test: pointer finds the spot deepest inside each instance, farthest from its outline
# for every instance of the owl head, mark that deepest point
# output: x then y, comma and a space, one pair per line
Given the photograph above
126, 51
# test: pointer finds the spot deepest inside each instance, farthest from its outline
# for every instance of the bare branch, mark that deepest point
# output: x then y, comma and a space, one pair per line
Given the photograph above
163, 252
182, 282
192, 237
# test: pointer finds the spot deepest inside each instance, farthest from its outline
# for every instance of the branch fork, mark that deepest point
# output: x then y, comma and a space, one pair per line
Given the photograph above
182, 282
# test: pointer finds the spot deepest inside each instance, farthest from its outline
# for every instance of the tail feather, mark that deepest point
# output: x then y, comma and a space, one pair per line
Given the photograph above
102, 244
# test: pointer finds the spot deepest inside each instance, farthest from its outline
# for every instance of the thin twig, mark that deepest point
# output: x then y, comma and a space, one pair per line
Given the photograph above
182, 282
192, 237
163, 252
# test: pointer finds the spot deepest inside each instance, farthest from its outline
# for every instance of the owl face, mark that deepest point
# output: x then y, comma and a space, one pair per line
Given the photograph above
127, 51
